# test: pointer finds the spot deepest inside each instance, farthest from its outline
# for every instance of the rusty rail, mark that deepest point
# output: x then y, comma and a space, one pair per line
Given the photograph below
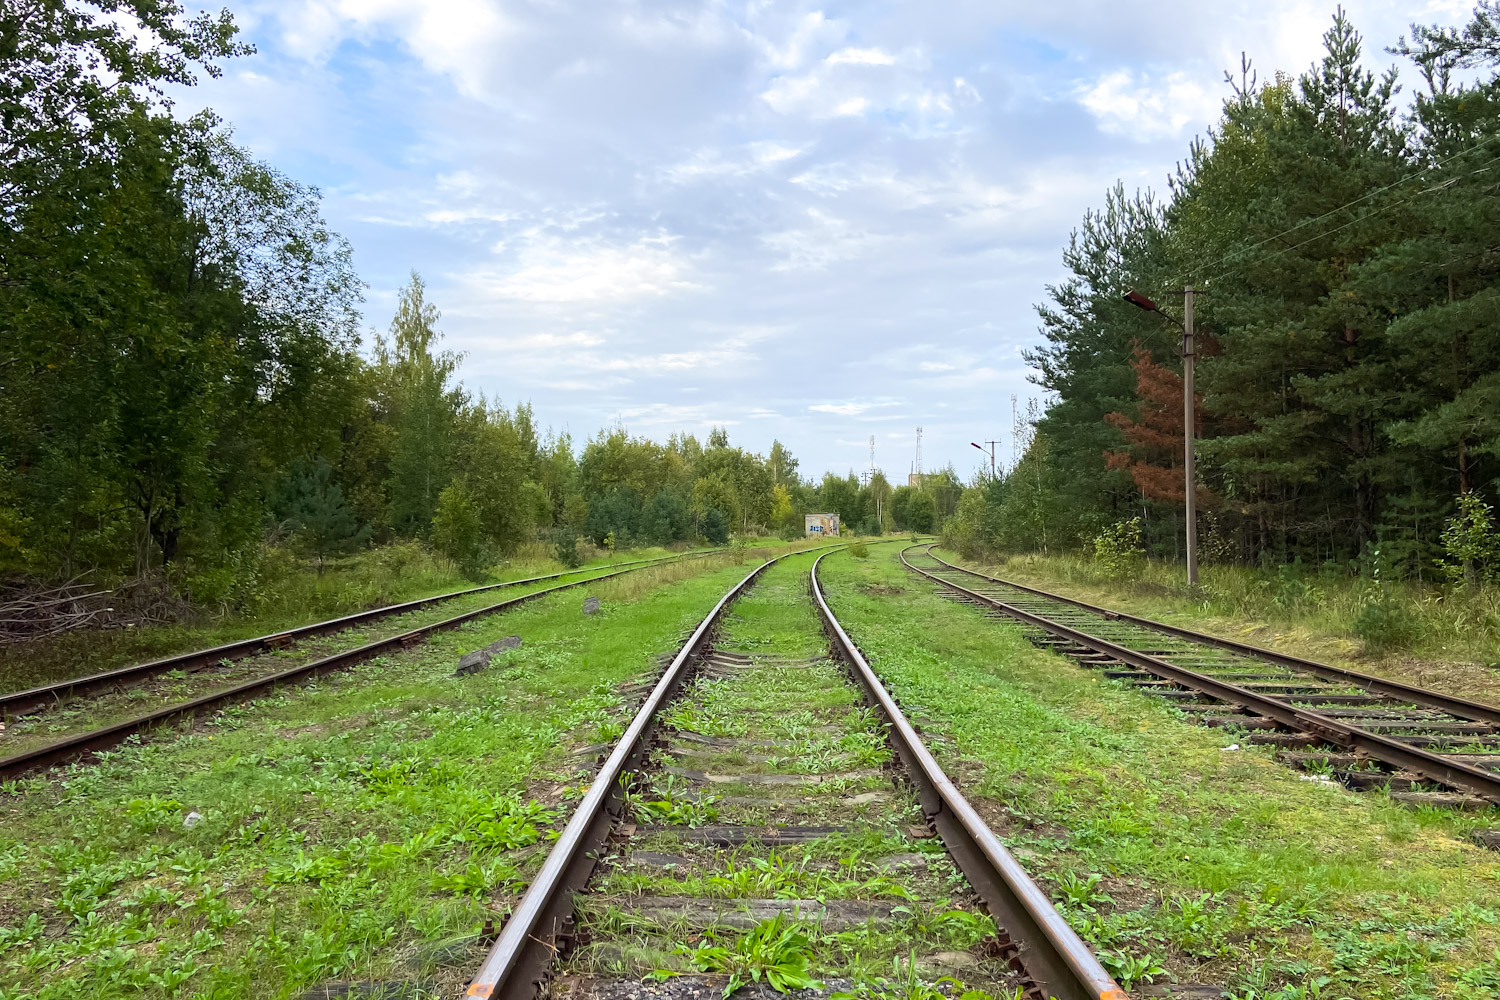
518, 960
1058, 963
1038, 940
108, 736
1428, 765
1464, 708
23, 702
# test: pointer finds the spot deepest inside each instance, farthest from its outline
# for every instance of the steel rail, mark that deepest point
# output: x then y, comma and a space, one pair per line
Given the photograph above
23, 702
519, 958
1431, 766
1048, 951
108, 736
1462, 707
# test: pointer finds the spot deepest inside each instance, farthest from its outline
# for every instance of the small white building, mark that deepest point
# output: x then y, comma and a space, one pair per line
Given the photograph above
822, 525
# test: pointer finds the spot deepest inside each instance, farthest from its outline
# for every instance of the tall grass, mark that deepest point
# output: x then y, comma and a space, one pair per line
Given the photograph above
1383, 618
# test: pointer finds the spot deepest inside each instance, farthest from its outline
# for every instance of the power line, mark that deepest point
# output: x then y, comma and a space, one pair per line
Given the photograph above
1364, 218
1334, 211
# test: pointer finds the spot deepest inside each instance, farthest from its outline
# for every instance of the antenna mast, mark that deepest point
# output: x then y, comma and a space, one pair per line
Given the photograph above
918, 464
1015, 434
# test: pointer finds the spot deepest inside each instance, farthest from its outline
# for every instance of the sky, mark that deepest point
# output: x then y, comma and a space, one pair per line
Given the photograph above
813, 222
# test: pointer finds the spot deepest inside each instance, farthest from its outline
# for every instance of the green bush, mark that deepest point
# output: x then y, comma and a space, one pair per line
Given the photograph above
565, 547
974, 528
791, 532
715, 526
1118, 549
921, 512
859, 550
1290, 590
1386, 624
1471, 542
457, 532
311, 505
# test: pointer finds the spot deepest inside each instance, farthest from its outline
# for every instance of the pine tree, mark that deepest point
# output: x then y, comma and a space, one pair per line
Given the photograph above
1302, 374
1154, 460
1441, 278
1091, 333
311, 505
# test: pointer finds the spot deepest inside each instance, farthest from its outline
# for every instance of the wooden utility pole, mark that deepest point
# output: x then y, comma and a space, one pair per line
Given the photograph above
1188, 458
1189, 464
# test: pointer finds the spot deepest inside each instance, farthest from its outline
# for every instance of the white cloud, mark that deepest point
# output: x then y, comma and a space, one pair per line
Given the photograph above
543, 341
712, 162
1142, 107
558, 271
841, 409
848, 408
861, 57
787, 218
807, 32
823, 240
657, 416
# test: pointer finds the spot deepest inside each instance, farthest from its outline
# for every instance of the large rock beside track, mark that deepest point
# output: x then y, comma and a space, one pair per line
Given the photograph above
473, 663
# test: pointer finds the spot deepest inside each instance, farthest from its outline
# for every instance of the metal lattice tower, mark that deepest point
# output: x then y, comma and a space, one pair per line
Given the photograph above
1015, 434
919, 455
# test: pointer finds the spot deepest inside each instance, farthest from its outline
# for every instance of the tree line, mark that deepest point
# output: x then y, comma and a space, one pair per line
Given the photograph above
182, 375
1348, 362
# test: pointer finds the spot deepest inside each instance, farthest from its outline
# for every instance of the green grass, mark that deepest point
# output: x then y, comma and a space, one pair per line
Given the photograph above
288, 595
1221, 865
819, 725
354, 829
1438, 637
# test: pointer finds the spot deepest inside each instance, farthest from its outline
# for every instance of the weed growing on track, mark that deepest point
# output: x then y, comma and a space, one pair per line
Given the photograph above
777, 950
1220, 866
81, 714
356, 828
800, 715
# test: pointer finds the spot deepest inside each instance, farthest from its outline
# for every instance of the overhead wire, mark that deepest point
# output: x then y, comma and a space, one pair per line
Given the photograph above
1367, 216
1341, 208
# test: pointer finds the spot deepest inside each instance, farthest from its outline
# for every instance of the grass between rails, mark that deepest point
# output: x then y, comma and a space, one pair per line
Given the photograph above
93, 711
1222, 866
359, 827
388, 575
1446, 640
793, 712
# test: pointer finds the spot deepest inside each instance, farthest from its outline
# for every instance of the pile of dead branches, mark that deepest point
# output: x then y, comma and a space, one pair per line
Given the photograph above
30, 610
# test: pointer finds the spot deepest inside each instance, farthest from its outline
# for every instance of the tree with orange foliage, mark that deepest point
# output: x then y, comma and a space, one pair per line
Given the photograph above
1154, 460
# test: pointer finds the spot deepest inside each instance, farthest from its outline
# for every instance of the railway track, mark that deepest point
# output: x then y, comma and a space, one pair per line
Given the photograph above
30, 700
102, 737
1368, 731
747, 825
